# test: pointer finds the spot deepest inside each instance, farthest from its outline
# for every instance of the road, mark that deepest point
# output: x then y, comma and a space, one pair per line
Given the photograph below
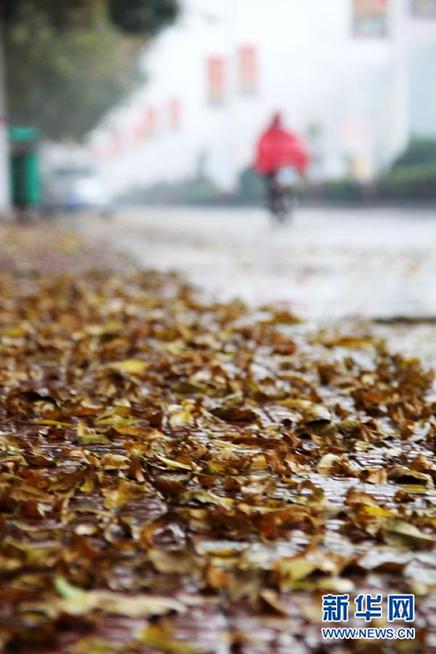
327, 265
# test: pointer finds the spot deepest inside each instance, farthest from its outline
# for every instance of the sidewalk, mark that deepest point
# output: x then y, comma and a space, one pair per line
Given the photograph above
328, 265
185, 475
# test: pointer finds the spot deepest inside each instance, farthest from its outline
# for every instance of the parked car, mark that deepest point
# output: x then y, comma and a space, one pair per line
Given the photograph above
73, 188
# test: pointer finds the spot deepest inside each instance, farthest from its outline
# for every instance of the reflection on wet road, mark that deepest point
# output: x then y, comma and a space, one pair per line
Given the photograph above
328, 264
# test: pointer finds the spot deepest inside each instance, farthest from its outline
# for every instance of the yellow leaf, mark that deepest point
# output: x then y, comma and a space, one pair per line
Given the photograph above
327, 464
399, 532
207, 497
88, 436
335, 584
158, 639
296, 568
114, 461
125, 492
129, 366
75, 601
170, 463
180, 418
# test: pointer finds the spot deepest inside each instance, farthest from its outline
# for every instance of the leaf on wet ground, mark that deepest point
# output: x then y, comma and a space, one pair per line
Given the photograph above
164, 459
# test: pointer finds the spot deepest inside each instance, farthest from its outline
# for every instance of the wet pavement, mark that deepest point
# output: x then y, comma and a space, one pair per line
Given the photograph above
327, 265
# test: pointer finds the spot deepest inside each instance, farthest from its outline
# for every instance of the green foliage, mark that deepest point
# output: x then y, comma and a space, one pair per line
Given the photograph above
343, 190
60, 13
68, 80
190, 191
412, 178
137, 16
69, 61
419, 151
251, 186
408, 183
132, 16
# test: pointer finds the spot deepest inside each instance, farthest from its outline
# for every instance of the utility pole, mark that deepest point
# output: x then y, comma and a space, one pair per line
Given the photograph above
5, 205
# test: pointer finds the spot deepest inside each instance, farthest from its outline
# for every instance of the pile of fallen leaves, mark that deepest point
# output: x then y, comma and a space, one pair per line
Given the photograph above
189, 477
49, 248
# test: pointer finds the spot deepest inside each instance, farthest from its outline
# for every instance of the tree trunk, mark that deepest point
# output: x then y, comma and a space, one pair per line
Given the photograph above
5, 205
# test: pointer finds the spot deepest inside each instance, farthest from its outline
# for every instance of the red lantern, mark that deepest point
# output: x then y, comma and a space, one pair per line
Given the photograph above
248, 69
174, 110
216, 80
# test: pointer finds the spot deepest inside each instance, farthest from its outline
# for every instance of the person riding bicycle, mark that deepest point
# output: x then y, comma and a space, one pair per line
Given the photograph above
279, 152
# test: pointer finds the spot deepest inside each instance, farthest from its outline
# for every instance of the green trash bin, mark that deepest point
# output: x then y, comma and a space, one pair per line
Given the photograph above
25, 173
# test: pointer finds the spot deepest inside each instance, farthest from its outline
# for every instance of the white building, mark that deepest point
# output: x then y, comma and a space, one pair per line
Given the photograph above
358, 95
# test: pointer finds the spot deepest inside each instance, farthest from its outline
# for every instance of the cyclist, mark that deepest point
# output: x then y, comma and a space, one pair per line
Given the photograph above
281, 156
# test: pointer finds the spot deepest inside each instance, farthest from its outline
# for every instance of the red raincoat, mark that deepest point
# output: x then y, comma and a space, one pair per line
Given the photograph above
278, 147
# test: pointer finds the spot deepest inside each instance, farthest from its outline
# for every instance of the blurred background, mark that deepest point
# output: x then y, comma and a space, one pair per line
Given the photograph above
148, 112
175, 119
354, 78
